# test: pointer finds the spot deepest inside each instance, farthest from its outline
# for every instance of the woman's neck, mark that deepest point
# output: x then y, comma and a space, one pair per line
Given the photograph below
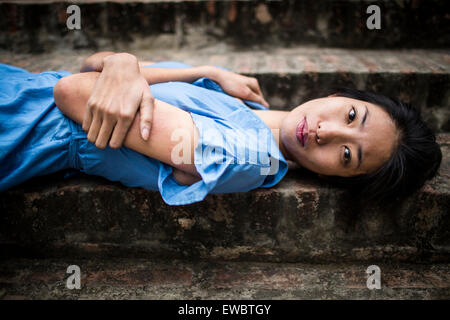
273, 119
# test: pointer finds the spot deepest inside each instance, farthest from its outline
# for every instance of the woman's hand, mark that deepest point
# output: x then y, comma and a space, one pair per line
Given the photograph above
239, 86
119, 91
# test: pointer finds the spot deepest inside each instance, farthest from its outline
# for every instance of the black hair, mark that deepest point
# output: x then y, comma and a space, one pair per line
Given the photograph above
416, 157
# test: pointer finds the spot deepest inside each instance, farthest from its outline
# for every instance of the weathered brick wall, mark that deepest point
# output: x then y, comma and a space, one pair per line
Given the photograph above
178, 24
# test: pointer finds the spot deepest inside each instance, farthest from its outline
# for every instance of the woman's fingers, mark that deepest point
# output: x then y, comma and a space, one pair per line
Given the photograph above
105, 132
87, 120
264, 102
146, 112
121, 130
256, 97
95, 127
254, 86
241, 86
114, 100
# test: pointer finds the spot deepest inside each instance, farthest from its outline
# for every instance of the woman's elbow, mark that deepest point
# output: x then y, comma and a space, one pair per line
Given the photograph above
184, 178
72, 92
62, 92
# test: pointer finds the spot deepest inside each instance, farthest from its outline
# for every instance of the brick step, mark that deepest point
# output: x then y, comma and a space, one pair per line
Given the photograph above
150, 279
301, 219
290, 76
41, 25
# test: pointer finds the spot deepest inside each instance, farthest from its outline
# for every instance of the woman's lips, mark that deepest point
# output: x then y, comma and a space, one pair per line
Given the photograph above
302, 132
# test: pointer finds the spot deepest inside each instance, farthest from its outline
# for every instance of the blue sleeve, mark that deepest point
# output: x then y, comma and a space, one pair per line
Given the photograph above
230, 156
125, 165
221, 162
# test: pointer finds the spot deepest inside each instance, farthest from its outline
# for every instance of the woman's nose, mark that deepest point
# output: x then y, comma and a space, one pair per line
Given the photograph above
328, 132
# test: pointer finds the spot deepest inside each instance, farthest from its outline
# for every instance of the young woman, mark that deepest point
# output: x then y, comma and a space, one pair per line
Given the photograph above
193, 136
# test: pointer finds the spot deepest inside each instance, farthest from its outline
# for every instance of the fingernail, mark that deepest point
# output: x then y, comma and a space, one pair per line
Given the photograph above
145, 133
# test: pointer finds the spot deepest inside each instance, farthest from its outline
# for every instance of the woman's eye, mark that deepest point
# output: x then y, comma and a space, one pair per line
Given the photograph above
351, 115
347, 155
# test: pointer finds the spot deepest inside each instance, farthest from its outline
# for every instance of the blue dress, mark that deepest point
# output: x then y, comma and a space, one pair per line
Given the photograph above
236, 150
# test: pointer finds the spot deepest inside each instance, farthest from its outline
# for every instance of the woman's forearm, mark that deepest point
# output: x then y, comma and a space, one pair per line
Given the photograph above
96, 62
158, 75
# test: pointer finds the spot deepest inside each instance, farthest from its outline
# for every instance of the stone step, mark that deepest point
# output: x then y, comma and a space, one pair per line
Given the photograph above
301, 219
150, 279
290, 76
36, 25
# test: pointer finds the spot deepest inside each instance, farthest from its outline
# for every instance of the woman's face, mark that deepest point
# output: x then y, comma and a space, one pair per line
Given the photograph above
338, 136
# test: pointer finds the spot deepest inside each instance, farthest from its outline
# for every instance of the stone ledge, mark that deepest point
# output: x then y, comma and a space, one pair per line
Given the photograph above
151, 279
301, 219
